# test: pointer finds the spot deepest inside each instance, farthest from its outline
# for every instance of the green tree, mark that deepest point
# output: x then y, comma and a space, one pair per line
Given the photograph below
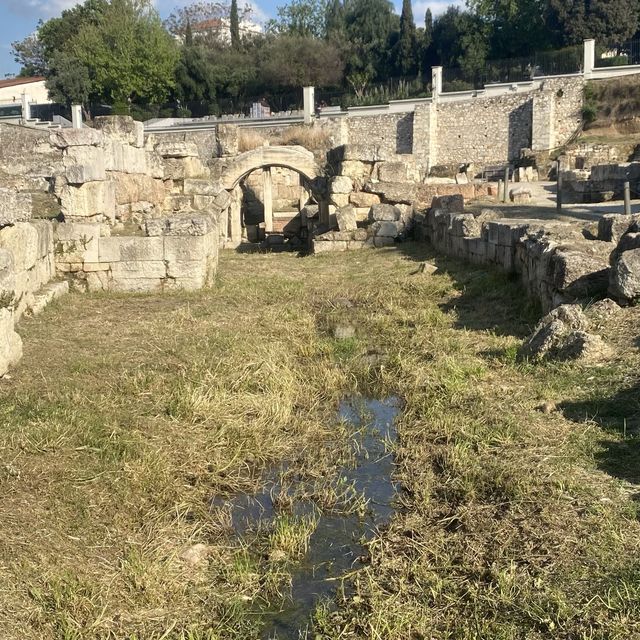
294, 61
304, 18
460, 39
68, 80
29, 54
129, 54
334, 20
234, 24
406, 50
370, 26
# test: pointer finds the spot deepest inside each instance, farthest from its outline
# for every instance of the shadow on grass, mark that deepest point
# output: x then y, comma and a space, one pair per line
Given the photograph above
618, 414
489, 298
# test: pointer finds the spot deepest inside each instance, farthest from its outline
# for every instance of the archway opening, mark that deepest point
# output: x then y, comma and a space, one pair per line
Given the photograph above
274, 207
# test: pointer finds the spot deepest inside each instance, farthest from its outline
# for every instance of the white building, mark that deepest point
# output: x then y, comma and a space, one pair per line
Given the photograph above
220, 29
12, 90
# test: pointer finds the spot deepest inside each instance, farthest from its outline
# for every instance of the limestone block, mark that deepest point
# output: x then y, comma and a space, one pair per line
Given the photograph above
22, 241
393, 192
384, 213
625, 276
194, 186
520, 195
223, 199
14, 206
191, 269
452, 203
44, 228
177, 203
124, 158
465, 225
355, 170
187, 248
170, 149
135, 284
121, 128
346, 218
227, 140
10, 341
387, 229
84, 164
98, 281
579, 274
360, 235
341, 185
155, 165
89, 199
63, 138
134, 188
361, 199
130, 250
196, 225
184, 168
138, 269
340, 199
94, 267
75, 242
205, 203
324, 246
612, 226
393, 172
356, 244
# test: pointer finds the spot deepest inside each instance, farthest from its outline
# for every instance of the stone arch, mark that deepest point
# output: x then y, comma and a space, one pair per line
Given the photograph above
296, 158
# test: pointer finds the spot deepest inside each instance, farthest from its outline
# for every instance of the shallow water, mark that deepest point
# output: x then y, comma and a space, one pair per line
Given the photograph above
335, 547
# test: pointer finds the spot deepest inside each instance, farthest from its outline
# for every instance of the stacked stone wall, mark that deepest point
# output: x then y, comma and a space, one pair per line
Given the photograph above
554, 261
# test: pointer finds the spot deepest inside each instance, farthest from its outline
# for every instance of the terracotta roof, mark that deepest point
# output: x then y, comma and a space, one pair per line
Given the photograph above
14, 82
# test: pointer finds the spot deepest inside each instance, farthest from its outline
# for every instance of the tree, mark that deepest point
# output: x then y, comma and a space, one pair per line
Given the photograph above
68, 81
129, 55
334, 20
295, 61
304, 18
234, 24
370, 25
35, 52
29, 54
406, 52
460, 39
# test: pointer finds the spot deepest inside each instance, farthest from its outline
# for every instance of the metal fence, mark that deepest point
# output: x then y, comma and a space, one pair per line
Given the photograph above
543, 63
618, 56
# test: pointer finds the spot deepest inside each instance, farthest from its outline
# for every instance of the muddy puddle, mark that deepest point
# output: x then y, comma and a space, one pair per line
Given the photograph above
336, 546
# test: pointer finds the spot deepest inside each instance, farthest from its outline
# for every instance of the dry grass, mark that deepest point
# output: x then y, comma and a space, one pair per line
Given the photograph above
311, 138
130, 413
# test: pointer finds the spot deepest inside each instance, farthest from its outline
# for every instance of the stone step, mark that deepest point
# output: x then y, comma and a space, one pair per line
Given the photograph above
48, 294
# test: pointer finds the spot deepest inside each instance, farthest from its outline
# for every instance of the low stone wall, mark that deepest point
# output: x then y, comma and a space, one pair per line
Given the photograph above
26, 269
555, 262
600, 183
175, 253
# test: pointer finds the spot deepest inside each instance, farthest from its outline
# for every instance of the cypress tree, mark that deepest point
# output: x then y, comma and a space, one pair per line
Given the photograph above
406, 49
334, 20
234, 25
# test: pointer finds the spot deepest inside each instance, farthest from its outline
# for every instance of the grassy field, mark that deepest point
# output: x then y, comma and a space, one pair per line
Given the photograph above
130, 414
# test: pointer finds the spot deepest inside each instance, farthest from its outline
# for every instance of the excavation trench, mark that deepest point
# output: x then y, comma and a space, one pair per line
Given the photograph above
337, 545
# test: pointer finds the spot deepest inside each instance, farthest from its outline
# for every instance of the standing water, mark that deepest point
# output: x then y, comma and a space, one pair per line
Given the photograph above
336, 545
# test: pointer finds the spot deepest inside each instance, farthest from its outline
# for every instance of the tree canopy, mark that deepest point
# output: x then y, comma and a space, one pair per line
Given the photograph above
202, 59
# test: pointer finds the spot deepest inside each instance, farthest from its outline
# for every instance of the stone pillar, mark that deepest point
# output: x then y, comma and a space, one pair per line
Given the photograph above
26, 107
308, 95
589, 58
76, 116
267, 200
235, 217
543, 135
436, 83
425, 136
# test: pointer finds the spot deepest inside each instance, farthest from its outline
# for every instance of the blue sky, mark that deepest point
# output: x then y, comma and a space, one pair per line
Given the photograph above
18, 18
